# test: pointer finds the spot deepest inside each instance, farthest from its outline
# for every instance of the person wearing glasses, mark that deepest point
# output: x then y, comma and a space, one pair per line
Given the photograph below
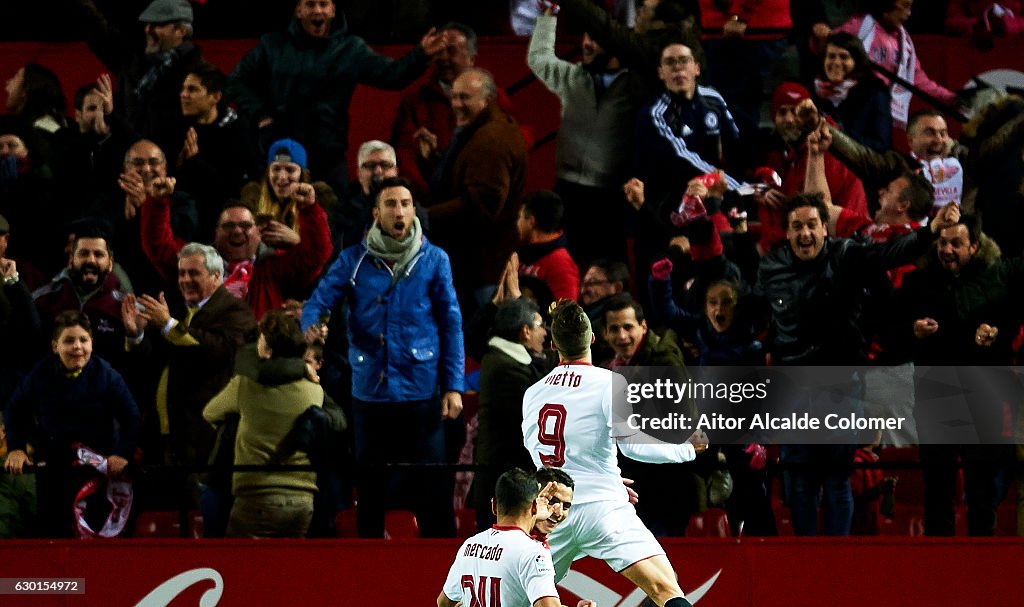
255, 272
143, 175
687, 131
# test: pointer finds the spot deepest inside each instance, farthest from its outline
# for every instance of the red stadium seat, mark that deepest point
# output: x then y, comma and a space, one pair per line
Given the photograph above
465, 522
167, 523
717, 523
345, 523
400, 525
906, 520
783, 520
1006, 516
713, 522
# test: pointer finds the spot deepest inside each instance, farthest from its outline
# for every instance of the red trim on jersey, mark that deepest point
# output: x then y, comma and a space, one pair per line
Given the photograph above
576, 362
643, 559
508, 528
540, 537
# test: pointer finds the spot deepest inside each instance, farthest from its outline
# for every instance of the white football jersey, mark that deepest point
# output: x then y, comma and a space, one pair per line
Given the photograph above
567, 424
501, 567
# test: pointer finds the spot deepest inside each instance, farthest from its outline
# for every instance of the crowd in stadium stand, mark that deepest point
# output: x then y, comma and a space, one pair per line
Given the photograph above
191, 279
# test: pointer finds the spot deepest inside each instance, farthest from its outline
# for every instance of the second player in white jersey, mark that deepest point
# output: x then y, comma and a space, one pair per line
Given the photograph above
501, 567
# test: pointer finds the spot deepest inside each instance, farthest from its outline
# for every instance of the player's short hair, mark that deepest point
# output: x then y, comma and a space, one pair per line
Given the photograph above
547, 474
511, 316
514, 492
571, 330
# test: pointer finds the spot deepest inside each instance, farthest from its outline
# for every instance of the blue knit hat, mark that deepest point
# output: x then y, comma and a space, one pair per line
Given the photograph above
287, 150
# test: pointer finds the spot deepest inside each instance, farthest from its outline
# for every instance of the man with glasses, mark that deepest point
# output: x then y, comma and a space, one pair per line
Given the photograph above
686, 132
254, 272
602, 280
376, 161
143, 176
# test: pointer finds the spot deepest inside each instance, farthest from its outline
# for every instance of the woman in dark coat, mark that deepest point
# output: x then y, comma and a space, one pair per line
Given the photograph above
846, 89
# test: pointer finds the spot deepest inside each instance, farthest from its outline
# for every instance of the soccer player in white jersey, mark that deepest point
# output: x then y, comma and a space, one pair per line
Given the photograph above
504, 566
568, 424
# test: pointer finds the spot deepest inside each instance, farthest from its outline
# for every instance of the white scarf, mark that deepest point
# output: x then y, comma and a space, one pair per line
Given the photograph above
947, 177
905, 62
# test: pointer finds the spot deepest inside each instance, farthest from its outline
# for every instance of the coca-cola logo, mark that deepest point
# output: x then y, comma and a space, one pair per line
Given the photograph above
586, 587
162, 595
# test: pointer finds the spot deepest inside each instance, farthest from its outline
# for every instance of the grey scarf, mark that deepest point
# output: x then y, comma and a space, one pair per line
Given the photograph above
397, 252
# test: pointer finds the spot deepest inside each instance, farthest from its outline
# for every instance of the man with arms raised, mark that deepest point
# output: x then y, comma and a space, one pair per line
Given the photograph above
578, 437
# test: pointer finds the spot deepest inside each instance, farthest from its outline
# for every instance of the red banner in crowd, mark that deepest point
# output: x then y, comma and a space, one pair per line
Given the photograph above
789, 572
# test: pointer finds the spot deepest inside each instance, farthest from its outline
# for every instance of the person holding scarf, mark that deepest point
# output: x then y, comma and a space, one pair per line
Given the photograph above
889, 45
406, 351
69, 400
846, 90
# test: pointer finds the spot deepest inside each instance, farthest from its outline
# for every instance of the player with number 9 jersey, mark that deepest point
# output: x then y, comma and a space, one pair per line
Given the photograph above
571, 421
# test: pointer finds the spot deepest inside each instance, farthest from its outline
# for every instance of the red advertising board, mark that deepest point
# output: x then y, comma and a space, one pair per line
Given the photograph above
789, 572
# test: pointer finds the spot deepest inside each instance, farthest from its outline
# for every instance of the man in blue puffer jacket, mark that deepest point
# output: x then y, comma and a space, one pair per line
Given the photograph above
406, 352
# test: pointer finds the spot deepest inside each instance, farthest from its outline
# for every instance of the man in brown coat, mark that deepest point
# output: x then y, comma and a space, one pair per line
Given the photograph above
477, 184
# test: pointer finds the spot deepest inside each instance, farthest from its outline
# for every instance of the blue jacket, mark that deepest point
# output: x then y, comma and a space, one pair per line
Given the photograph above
405, 337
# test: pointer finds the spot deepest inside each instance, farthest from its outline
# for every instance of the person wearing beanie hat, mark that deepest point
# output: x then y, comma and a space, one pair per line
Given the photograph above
285, 187
149, 79
287, 150
583, 435
784, 151
788, 93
